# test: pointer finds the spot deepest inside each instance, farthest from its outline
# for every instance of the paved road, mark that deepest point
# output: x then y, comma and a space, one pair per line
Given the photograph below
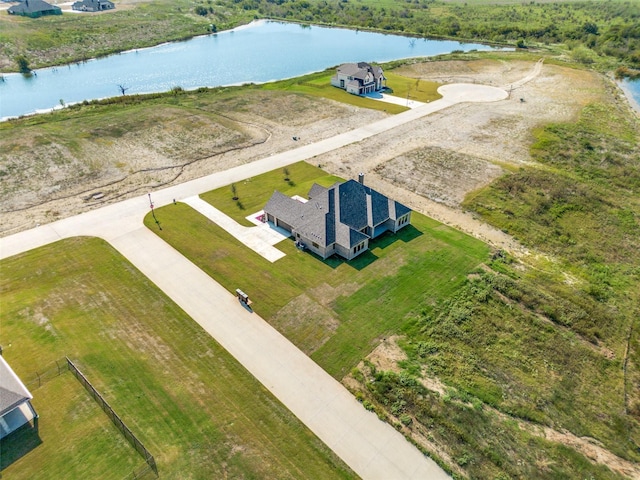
373, 449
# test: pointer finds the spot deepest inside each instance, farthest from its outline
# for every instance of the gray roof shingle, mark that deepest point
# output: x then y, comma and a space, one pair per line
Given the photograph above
336, 214
32, 6
12, 390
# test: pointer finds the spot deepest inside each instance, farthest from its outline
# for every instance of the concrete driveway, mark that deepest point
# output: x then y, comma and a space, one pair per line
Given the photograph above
373, 449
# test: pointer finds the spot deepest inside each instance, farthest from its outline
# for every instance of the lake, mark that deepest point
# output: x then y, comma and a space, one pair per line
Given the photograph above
260, 52
631, 89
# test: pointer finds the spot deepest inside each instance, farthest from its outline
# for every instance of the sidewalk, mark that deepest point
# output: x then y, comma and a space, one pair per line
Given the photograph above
260, 239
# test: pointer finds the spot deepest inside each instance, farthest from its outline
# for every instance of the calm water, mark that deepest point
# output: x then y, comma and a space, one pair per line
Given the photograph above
632, 90
260, 52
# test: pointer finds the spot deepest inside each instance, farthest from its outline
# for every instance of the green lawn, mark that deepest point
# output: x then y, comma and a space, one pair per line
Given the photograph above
319, 85
335, 311
195, 408
75, 439
500, 340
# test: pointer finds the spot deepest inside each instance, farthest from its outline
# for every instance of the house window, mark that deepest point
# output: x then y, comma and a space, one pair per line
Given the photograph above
341, 83
315, 244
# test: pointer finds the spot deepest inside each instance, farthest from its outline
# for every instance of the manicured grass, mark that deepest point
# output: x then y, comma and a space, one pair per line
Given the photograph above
412, 88
194, 407
506, 341
75, 438
252, 192
319, 85
360, 301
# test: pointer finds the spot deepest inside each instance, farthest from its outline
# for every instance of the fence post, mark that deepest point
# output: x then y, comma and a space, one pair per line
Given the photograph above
119, 424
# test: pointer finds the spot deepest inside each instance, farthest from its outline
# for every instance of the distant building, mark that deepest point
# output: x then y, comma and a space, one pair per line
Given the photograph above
337, 220
34, 9
359, 78
93, 5
15, 405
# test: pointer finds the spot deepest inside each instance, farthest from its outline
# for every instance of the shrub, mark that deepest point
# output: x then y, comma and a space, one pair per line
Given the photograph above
406, 419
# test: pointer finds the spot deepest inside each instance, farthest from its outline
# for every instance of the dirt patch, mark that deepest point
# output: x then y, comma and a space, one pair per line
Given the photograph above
387, 355
306, 322
46, 175
443, 176
325, 294
589, 447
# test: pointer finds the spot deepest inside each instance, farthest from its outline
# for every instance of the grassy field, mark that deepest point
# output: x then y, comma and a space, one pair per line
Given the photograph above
56, 40
510, 345
68, 412
196, 409
343, 308
319, 85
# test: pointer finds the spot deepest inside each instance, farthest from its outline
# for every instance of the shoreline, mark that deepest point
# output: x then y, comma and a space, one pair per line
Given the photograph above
628, 93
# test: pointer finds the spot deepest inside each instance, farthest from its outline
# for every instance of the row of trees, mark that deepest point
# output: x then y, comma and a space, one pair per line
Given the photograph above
607, 28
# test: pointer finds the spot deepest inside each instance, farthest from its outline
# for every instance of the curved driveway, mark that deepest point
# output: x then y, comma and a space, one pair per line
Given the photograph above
372, 448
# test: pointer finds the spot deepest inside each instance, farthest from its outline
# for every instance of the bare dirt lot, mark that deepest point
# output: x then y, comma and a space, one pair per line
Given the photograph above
430, 164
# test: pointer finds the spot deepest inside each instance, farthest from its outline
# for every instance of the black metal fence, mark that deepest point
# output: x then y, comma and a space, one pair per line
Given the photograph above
144, 472
131, 438
42, 376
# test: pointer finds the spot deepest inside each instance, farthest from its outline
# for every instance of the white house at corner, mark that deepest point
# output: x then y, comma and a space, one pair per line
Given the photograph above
340, 219
15, 405
359, 78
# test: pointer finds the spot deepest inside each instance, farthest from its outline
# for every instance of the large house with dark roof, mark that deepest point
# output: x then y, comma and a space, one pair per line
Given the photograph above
359, 78
15, 405
340, 219
34, 9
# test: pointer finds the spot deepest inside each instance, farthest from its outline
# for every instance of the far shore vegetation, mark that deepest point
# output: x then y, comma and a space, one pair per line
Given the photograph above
604, 35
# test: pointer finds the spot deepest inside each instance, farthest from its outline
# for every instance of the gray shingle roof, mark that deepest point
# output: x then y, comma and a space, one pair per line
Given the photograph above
92, 4
316, 190
32, 6
353, 204
335, 214
12, 390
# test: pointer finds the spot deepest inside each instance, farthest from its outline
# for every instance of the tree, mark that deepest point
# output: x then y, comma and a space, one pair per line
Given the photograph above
23, 64
590, 28
234, 191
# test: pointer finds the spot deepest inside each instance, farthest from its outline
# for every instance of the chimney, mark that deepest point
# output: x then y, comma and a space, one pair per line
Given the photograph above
361, 178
